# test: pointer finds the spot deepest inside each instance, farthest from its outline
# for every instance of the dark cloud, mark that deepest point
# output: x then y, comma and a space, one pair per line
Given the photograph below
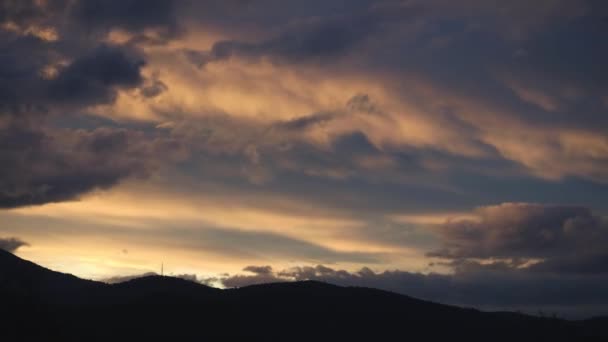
26, 12
77, 21
46, 163
539, 63
528, 240
40, 83
471, 51
22, 89
489, 289
48, 67
130, 15
514, 256
581, 262
521, 230
389, 36
12, 244
94, 77
315, 39
261, 275
50, 165
318, 42
19, 11
517, 56
259, 270
363, 103
305, 170
153, 88
305, 122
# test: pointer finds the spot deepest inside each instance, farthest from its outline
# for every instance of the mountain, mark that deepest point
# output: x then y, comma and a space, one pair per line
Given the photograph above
38, 304
21, 278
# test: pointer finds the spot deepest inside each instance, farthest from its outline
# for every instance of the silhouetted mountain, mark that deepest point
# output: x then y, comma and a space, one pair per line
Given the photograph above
42, 305
156, 286
22, 278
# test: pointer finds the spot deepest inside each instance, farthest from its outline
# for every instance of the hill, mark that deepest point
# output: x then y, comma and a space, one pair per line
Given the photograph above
41, 305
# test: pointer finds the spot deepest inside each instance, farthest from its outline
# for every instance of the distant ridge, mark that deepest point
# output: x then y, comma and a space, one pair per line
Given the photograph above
43, 305
24, 278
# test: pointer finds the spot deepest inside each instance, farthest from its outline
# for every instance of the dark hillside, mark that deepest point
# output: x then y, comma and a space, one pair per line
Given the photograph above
41, 305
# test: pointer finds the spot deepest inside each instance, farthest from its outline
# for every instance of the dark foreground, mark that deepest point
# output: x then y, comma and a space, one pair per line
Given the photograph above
41, 305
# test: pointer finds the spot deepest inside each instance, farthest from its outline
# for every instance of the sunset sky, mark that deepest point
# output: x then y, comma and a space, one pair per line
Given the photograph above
452, 150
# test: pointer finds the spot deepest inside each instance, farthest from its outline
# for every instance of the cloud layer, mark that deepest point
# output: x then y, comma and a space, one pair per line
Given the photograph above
524, 231
384, 133
11, 244
563, 295
434, 98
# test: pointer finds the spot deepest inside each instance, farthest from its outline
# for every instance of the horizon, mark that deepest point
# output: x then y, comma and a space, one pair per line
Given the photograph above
452, 151
561, 313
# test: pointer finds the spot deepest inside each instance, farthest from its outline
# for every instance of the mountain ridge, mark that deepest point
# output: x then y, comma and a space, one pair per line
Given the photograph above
64, 307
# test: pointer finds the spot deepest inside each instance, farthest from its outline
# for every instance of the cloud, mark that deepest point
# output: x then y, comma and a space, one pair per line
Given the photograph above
95, 77
304, 122
436, 100
373, 108
28, 12
52, 156
572, 296
523, 230
315, 39
131, 15
266, 244
261, 275
153, 88
513, 256
259, 270
533, 240
581, 263
12, 244
352, 112
53, 81
49, 164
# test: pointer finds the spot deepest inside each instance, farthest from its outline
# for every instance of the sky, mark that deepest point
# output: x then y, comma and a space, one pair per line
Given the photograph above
455, 151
